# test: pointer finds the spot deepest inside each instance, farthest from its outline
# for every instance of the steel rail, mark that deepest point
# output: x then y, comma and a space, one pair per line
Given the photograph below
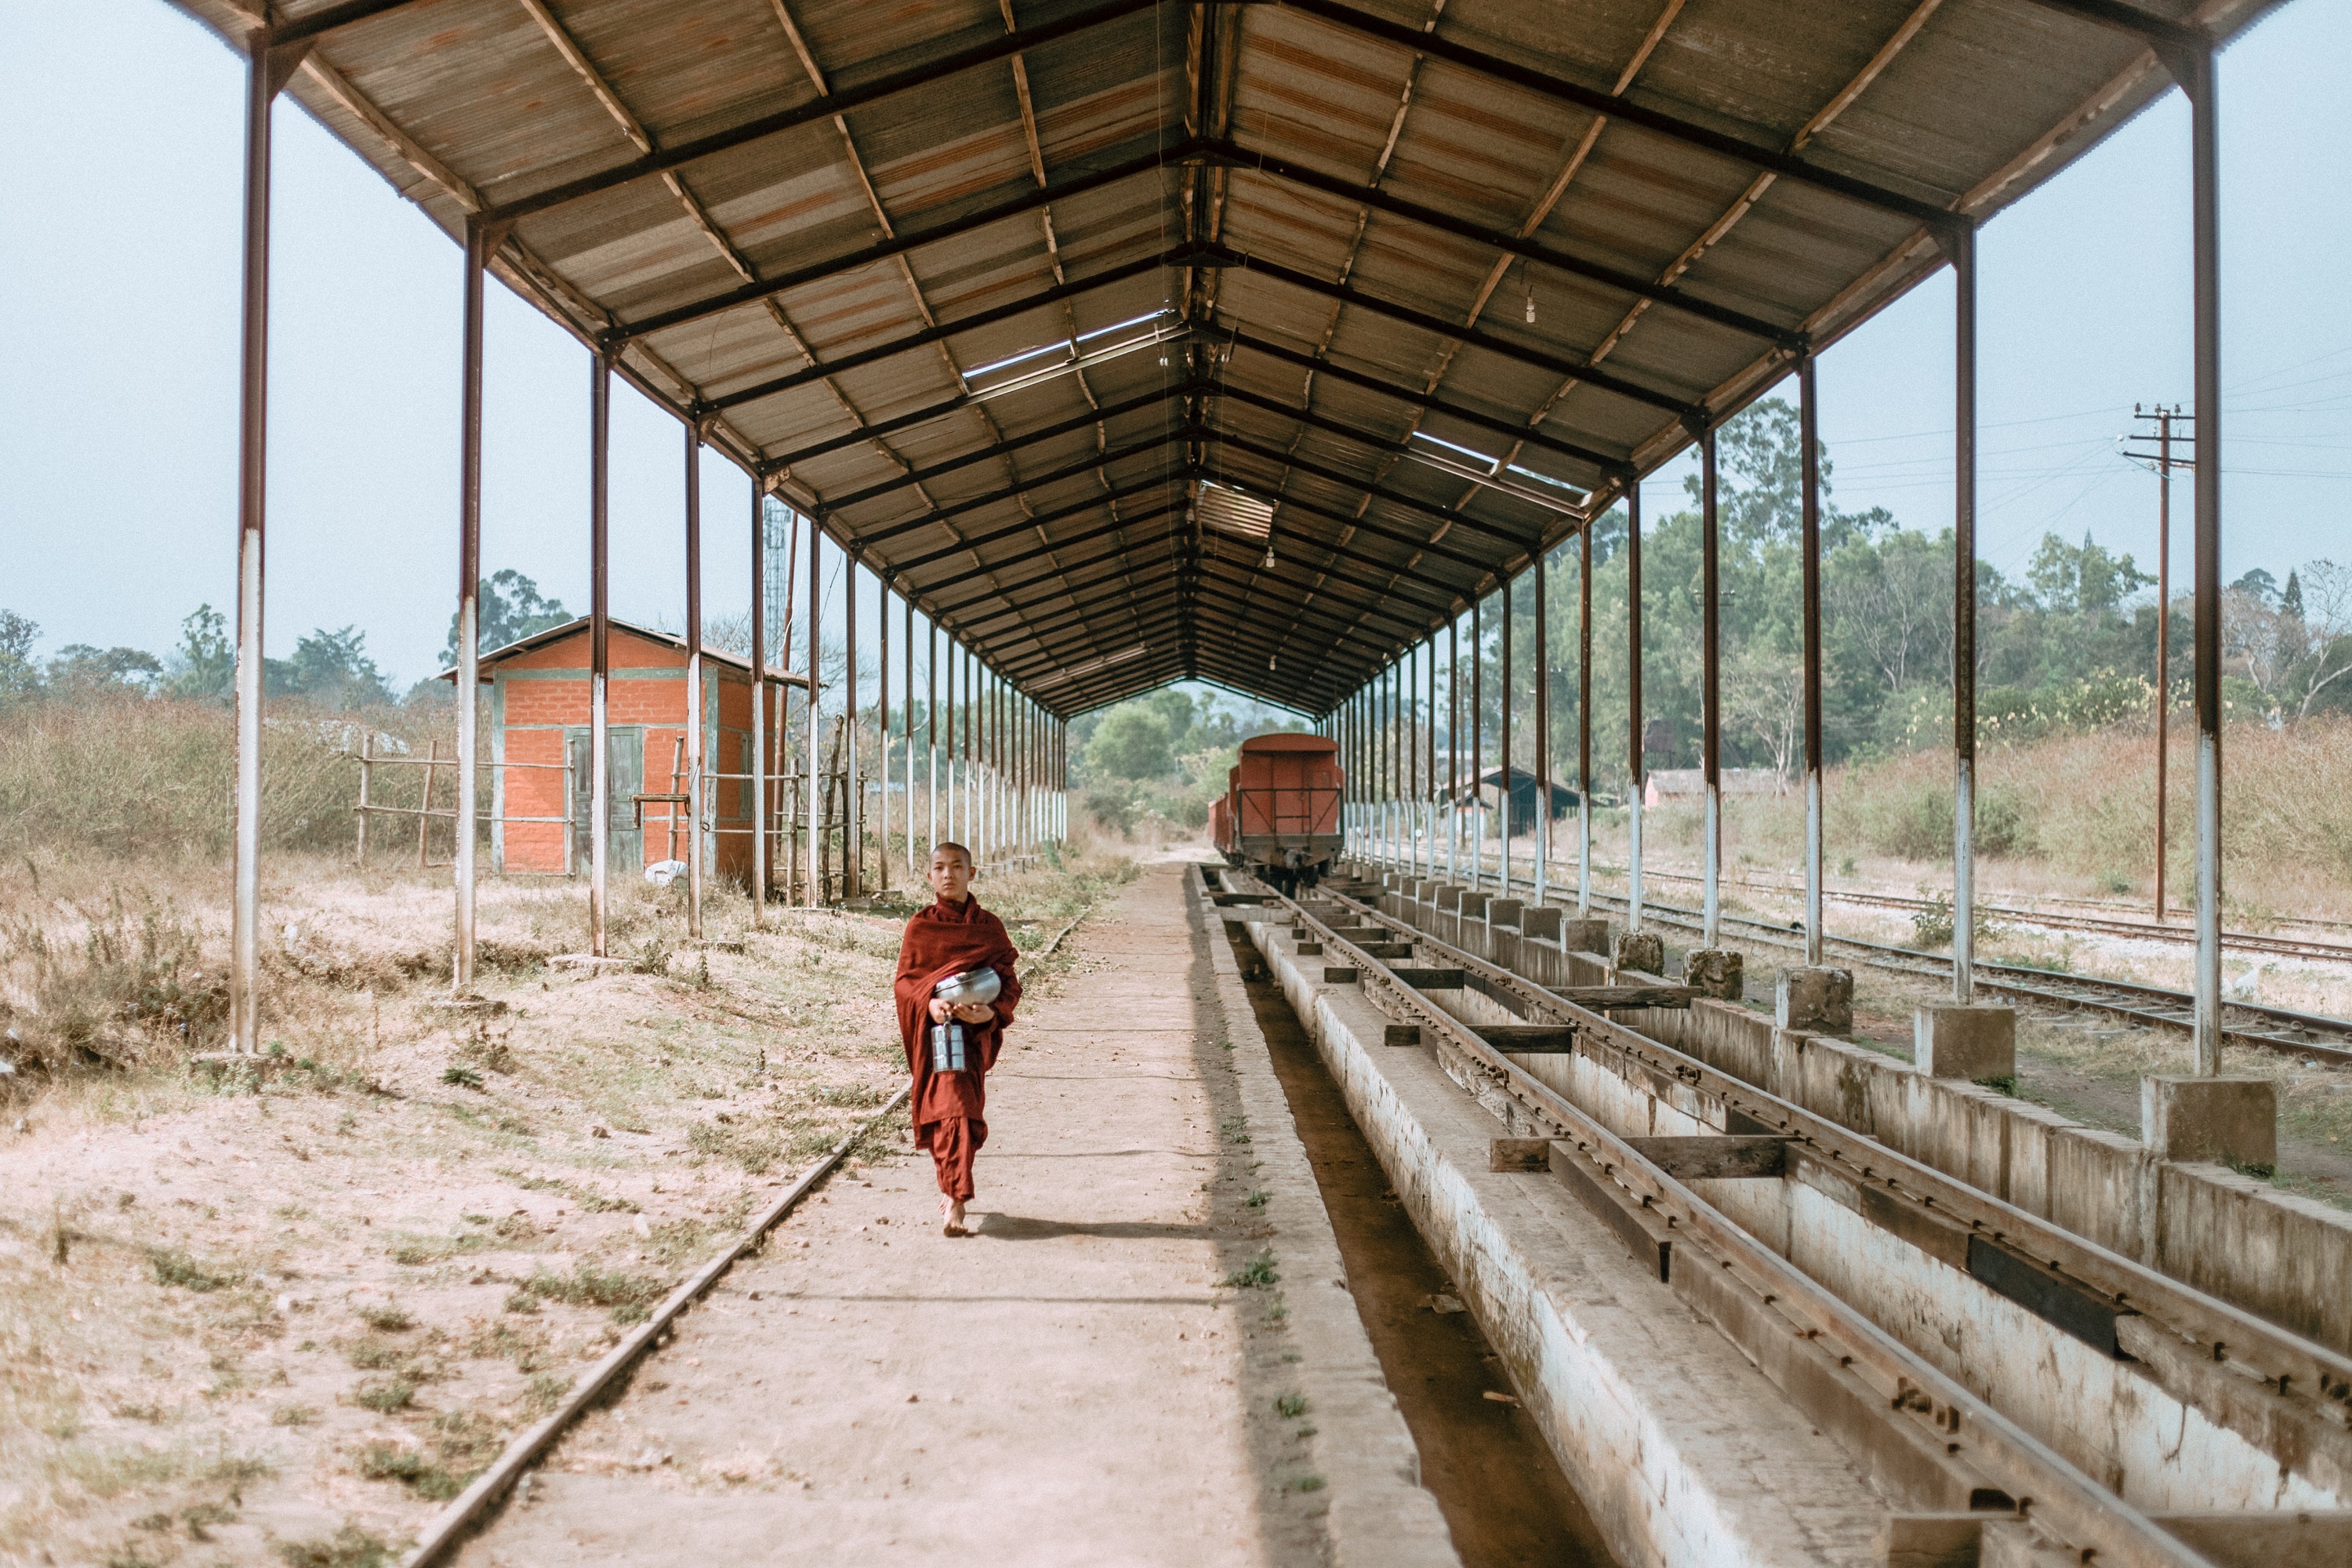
2104, 924
2153, 1006
1970, 1433
2215, 1329
451, 1527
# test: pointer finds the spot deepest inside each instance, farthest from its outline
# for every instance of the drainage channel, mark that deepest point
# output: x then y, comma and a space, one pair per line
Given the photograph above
1922, 1322
1503, 1494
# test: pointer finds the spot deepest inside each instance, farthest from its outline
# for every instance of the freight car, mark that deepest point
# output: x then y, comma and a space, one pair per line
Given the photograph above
1280, 813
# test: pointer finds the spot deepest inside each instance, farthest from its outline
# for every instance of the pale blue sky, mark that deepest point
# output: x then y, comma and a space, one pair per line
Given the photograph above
118, 410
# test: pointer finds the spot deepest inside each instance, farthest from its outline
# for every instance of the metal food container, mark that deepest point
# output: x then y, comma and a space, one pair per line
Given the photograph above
973, 987
948, 1047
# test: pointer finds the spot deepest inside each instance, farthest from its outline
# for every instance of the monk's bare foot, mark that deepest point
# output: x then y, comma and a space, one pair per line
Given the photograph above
954, 1225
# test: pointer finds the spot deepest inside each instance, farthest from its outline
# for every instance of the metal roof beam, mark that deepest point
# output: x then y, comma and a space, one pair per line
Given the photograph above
825, 105
1010, 492
1757, 155
964, 459
1031, 525
899, 572
1613, 465
908, 240
1581, 369
1004, 590
1374, 197
1176, 256
1307, 416
1430, 546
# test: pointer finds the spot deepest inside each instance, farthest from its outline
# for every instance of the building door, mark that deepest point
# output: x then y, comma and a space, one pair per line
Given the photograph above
624, 749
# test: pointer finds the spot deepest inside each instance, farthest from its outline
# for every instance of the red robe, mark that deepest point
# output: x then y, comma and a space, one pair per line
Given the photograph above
949, 1108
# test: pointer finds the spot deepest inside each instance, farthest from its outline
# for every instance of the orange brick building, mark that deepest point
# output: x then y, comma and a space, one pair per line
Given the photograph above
538, 717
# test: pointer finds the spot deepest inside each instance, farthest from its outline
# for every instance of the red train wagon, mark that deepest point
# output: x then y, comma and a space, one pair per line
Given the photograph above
1280, 815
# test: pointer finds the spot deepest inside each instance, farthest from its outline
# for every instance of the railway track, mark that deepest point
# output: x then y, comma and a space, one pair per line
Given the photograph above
2311, 1037
2098, 924
1987, 1444
474, 1507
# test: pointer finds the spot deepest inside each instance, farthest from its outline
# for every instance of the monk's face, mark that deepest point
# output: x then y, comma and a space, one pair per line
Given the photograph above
950, 874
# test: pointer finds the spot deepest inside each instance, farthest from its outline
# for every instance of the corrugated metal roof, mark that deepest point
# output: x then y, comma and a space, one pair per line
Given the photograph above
998, 289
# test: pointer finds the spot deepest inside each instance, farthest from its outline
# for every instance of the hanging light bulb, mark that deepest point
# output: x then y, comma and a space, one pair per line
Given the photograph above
1269, 555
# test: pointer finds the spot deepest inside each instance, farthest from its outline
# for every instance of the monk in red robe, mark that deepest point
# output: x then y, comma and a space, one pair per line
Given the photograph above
954, 936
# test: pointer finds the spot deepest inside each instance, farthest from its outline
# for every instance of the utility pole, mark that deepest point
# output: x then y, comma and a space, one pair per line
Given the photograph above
2160, 422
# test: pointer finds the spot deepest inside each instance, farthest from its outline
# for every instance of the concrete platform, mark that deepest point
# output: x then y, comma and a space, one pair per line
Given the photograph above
1078, 1384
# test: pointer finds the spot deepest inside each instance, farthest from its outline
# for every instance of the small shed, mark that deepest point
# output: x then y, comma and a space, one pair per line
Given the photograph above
1527, 792
539, 742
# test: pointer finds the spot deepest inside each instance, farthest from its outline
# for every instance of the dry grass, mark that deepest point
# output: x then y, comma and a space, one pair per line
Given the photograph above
275, 1316
2070, 815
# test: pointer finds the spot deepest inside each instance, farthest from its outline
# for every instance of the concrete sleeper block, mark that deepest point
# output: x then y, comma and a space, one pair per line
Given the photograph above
1818, 1000
1642, 952
1971, 1041
1716, 972
2225, 1120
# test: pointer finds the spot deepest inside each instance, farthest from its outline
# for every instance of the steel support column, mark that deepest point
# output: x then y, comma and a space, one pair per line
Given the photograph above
469, 605
1429, 753
815, 782
759, 781
1810, 566
852, 816
908, 725
1452, 750
1477, 741
252, 512
1542, 731
882, 733
1711, 688
1503, 739
1584, 719
600, 637
1636, 761
2204, 134
696, 736
1963, 251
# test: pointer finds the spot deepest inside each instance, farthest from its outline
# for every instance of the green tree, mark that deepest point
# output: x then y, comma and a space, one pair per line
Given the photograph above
509, 607
1131, 742
332, 669
205, 664
20, 678
2086, 578
83, 673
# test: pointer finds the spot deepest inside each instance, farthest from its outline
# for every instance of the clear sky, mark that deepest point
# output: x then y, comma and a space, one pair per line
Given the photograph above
119, 257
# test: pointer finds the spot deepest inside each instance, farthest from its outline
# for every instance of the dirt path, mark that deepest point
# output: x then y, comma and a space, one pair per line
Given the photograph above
1088, 1381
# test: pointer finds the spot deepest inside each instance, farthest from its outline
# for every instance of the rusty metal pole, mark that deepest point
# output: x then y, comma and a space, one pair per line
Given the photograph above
1964, 617
853, 815
908, 725
253, 426
469, 607
1810, 566
600, 629
758, 782
932, 730
815, 782
697, 735
1543, 732
882, 734
1503, 738
950, 747
1710, 691
1638, 762
1452, 750
2206, 246
1584, 719
1478, 740
1429, 751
